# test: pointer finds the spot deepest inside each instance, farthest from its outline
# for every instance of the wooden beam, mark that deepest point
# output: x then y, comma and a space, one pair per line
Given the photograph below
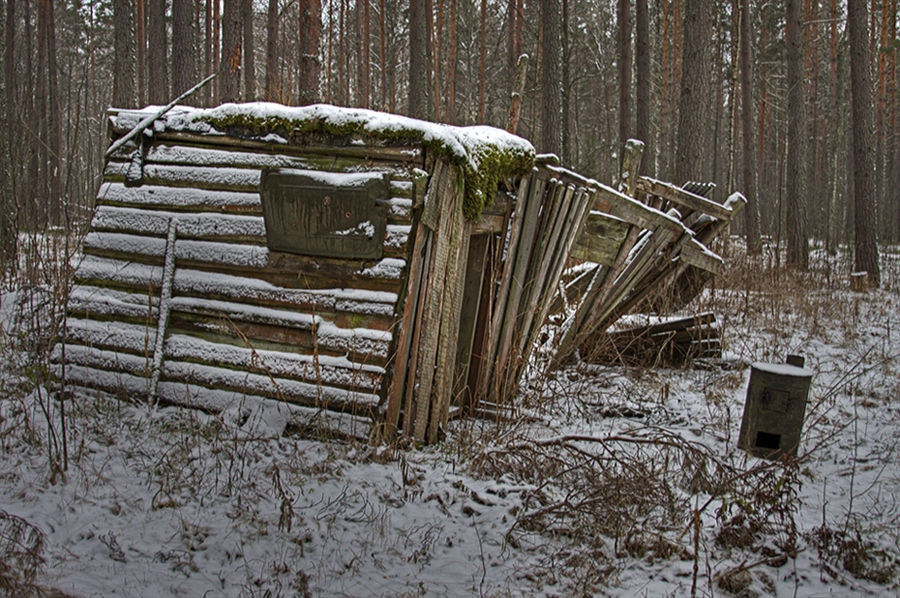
680, 197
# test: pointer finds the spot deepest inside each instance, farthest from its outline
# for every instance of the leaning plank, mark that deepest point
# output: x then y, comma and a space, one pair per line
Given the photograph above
632, 211
445, 366
442, 179
492, 340
680, 197
696, 254
404, 342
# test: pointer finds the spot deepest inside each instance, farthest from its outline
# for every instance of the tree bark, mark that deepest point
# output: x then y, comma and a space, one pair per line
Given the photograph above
418, 64
864, 245
232, 50
8, 208
643, 129
694, 91
141, 56
550, 86
623, 22
183, 49
310, 32
797, 241
249, 54
123, 70
157, 53
273, 86
482, 73
748, 131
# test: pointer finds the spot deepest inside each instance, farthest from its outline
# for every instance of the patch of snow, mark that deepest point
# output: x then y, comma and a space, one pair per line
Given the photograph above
386, 268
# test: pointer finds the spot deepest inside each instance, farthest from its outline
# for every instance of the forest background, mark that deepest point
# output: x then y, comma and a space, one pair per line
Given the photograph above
753, 95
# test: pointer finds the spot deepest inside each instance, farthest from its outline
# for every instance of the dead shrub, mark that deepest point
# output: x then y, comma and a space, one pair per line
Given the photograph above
848, 550
21, 556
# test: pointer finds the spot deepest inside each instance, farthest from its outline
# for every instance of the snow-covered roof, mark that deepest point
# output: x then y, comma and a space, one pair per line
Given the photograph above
485, 154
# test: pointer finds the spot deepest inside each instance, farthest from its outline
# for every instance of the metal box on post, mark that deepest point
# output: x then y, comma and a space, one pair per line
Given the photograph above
775, 408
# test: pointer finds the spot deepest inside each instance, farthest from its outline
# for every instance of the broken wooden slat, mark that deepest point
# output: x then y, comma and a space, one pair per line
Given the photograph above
695, 254
684, 198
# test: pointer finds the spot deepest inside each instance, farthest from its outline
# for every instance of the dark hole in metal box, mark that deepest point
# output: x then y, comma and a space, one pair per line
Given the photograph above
768, 441
323, 213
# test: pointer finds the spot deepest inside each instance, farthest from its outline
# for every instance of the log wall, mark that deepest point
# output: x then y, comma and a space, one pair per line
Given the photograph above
178, 298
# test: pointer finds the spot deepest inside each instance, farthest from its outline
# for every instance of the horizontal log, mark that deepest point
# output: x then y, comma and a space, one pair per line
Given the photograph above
679, 196
179, 199
372, 150
242, 180
112, 303
281, 269
227, 228
90, 382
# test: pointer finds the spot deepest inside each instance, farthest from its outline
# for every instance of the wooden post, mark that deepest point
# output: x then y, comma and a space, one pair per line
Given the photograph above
859, 282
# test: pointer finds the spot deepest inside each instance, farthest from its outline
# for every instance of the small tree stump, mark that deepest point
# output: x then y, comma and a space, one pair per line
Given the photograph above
859, 282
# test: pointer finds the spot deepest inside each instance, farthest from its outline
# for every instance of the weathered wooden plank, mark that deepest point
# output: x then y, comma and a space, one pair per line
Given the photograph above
575, 222
436, 281
521, 259
407, 324
695, 254
680, 197
410, 406
476, 261
632, 211
448, 344
492, 342
600, 238
631, 165
557, 212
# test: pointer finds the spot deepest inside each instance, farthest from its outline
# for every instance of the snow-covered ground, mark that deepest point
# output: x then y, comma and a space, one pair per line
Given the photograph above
608, 482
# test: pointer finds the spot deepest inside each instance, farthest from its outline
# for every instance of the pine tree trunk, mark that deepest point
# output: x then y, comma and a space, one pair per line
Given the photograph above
865, 247
643, 129
157, 53
273, 87
450, 113
123, 70
8, 207
797, 240
749, 155
694, 92
310, 32
232, 51
623, 26
418, 65
550, 88
141, 58
183, 48
250, 92
482, 74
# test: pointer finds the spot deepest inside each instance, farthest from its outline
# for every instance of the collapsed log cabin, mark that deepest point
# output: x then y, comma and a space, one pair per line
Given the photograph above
372, 274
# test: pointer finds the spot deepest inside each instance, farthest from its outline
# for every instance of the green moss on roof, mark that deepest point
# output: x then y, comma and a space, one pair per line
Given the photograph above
484, 154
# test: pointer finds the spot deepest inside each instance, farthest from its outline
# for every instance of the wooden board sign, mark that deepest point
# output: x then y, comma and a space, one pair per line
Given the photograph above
325, 214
